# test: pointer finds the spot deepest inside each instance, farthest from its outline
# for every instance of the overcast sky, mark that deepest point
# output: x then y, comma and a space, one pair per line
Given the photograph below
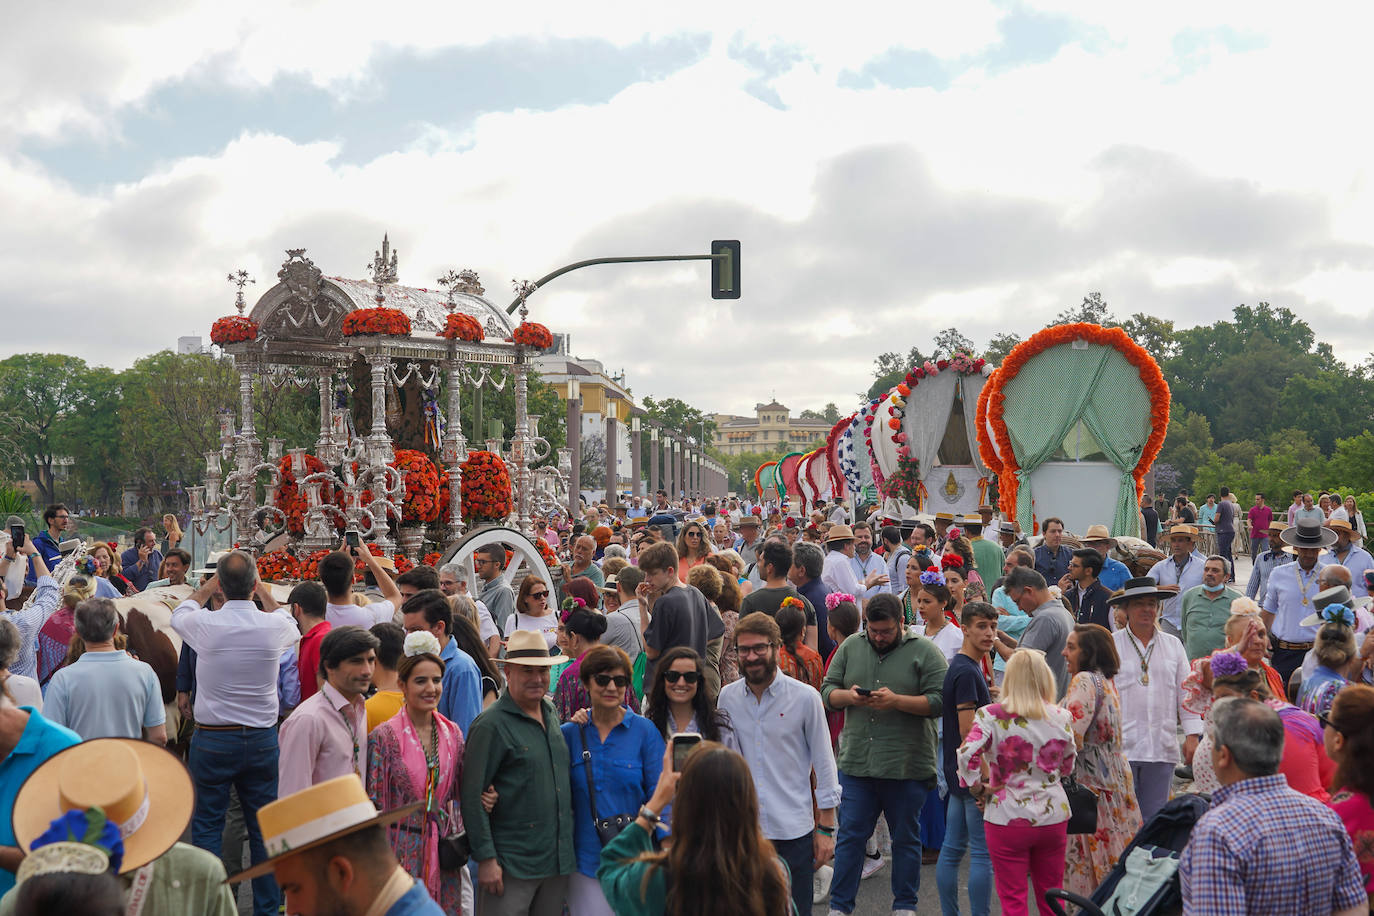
891, 169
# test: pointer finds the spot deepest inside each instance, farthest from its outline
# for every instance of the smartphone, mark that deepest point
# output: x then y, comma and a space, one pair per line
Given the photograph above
682, 746
863, 691
17, 535
351, 538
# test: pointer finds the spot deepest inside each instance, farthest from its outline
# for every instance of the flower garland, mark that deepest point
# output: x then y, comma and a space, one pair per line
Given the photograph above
290, 500
379, 320
310, 565
758, 476
832, 464
1150, 376
233, 329
420, 504
532, 334
868, 414
986, 448
486, 489
849, 465
278, 566
462, 327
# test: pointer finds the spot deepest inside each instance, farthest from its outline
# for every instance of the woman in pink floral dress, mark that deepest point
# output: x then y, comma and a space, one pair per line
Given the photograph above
1012, 761
1101, 764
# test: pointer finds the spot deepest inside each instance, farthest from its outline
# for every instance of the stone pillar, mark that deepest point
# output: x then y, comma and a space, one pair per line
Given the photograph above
653, 461
636, 484
611, 487
575, 448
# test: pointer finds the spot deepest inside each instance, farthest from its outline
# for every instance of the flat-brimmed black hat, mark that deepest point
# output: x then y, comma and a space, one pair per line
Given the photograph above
1308, 534
1139, 587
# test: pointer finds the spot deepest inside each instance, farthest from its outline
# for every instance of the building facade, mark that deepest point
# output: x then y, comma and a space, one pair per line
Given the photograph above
772, 425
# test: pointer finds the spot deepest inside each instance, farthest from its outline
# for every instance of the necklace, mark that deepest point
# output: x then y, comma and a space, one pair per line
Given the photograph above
353, 733
1144, 658
1302, 589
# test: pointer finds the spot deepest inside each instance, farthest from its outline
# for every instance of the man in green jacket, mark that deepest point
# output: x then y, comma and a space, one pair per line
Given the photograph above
891, 687
524, 847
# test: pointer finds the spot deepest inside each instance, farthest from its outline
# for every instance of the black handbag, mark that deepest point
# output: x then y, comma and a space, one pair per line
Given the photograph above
1082, 800
607, 828
454, 851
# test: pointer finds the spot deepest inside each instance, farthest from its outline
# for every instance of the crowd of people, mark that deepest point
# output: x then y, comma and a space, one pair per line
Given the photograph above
705, 708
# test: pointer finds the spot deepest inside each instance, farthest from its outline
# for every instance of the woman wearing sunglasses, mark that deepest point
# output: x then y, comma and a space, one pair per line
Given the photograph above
692, 548
579, 633
615, 758
677, 703
534, 610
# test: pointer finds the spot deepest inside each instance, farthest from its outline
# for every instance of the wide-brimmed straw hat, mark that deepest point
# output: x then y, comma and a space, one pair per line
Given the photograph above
1183, 531
1098, 533
839, 533
315, 816
1308, 534
1277, 524
143, 789
526, 647
1139, 587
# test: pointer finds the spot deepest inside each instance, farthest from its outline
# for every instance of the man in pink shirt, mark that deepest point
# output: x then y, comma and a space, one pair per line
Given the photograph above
1260, 517
326, 736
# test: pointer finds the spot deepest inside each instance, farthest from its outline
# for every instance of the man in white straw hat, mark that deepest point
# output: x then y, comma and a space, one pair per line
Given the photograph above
524, 845
1177, 573
1289, 597
1266, 561
1350, 555
145, 791
330, 854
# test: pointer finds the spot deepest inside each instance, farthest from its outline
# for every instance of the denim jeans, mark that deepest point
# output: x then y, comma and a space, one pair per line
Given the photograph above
800, 855
245, 760
964, 830
862, 799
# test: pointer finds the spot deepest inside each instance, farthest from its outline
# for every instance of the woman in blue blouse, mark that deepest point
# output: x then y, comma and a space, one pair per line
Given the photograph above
625, 751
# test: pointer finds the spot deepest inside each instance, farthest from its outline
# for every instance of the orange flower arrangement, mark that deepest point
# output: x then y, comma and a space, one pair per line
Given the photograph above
403, 564
486, 489
381, 320
546, 551
420, 504
462, 327
310, 566
532, 334
431, 559
444, 497
290, 500
1150, 376
233, 329
278, 566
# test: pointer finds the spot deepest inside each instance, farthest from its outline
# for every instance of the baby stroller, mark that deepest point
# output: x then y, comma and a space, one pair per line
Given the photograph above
1145, 880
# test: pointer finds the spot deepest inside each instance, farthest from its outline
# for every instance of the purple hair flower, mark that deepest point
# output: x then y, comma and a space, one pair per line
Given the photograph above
1229, 664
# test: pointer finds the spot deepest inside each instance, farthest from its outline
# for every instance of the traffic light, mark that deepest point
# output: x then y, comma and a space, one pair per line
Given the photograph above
725, 269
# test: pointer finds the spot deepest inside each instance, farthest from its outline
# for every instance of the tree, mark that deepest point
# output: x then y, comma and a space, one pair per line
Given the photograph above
1093, 311
90, 435
39, 391
1154, 335
593, 474
950, 341
1187, 445
675, 414
831, 414
1000, 345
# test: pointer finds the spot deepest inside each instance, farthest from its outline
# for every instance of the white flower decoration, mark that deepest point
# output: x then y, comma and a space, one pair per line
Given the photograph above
421, 642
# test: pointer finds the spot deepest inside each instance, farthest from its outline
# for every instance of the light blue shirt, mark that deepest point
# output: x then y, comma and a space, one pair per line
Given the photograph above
461, 699
46, 598
783, 737
104, 588
1357, 560
1283, 599
1265, 564
1166, 572
862, 570
1114, 574
105, 695
40, 740
625, 770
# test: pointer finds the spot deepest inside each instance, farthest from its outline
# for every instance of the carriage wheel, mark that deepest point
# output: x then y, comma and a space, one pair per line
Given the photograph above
525, 560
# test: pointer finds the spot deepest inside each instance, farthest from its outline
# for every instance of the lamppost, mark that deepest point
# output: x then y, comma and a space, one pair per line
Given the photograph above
653, 461
636, 485
575, 449
611, 443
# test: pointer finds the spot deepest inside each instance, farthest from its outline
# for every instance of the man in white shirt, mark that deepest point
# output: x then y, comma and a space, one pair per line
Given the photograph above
1177, 573
239, 649
336, 575
838, 572
453, 581
1351, 556
623, 623
1150, 682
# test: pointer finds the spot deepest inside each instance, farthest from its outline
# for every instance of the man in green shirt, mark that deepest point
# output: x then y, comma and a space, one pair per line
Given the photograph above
987, 556
890, 685
524, 847
1205, 609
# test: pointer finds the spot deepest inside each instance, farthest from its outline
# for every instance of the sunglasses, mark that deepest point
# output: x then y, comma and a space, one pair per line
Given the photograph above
673, 677
539, 596
605, 680
1329, 724
694, 534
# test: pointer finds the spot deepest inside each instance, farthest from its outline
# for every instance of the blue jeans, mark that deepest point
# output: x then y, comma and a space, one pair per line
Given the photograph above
246, 760
863, 799
964, 830
800, 855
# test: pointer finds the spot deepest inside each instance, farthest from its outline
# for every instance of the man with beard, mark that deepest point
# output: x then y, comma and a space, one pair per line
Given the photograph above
782, 732
891, 686
1288, 598
1266, 562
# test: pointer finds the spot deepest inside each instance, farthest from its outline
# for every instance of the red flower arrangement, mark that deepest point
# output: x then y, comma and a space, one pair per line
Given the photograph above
290, 500
420, 504
1150, 376
381, 320
431, 559
546, 551
310, 566
486, 490
532, 334
233, 329
462, 327
444, 497
403, 564
278, 566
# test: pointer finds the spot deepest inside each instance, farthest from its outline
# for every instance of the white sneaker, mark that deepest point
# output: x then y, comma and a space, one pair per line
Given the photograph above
820, 883
903, 913
872, 864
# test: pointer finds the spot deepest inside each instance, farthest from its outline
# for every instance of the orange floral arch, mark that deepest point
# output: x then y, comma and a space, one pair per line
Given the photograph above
993, 400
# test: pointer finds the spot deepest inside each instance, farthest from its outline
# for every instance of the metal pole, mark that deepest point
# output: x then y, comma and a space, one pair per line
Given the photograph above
637, 485
520, 444
510, 310
575, 450
611, 488
654, 454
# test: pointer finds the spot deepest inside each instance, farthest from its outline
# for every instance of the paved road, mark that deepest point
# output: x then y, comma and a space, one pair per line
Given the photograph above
875, 894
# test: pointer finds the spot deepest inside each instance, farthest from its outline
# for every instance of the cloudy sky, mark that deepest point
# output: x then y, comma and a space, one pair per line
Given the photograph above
891, 169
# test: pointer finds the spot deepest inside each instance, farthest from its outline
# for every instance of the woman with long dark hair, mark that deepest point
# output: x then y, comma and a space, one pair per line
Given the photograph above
677, 703
719, 861
692, 548
1348, 733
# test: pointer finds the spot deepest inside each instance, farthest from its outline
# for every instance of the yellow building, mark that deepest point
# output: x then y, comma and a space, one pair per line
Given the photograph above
772, 425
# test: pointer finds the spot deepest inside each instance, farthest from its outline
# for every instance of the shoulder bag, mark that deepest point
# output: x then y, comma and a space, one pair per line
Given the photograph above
1082, 800
608, 828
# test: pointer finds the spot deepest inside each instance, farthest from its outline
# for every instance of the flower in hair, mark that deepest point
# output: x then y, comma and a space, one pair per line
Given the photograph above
932, 576
793, 602
951, 561
833, 599
90, 830
421, 642
1229, 664
1338, 613
954, 532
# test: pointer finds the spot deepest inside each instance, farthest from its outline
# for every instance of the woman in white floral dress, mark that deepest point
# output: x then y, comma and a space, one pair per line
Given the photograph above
1012, 761
1101, 765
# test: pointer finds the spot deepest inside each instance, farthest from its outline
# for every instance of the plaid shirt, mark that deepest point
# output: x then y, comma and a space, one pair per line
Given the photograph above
1264, 849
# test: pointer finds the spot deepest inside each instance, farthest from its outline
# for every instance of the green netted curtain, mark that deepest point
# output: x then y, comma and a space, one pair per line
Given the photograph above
1057, 388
